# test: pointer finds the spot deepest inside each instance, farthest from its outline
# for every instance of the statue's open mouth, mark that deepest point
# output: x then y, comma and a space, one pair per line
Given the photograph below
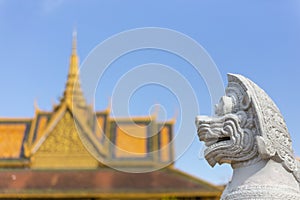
221, 139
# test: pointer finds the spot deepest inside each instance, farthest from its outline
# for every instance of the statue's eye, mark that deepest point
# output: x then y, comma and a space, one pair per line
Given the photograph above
224, 107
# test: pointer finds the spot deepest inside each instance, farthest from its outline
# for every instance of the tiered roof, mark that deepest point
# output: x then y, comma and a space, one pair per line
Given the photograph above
73, 151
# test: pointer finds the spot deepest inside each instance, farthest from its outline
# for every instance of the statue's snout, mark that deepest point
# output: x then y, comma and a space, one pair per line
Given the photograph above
203, 126
202, 119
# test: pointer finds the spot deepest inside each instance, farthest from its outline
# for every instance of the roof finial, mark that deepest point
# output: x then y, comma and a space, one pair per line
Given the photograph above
108, 108
74, 42
156, 109
175, 116
36, 106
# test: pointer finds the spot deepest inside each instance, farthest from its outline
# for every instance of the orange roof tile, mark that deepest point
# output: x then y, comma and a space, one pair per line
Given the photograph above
12, 135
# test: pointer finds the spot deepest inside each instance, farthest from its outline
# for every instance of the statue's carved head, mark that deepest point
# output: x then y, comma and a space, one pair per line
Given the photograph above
247, 127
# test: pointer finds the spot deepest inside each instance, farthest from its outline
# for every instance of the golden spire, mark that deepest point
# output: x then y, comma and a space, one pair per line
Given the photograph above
73, 70
73, 93
74, 43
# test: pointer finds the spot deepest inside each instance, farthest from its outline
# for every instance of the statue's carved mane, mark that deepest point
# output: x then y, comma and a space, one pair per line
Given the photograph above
273, 138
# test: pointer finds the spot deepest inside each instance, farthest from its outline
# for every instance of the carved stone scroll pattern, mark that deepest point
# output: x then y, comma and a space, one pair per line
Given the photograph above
274, 129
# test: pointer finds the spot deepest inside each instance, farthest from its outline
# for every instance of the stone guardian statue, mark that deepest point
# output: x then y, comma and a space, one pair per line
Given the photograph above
249, 133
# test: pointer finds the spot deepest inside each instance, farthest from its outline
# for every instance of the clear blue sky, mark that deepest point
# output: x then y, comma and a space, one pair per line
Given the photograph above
259, 39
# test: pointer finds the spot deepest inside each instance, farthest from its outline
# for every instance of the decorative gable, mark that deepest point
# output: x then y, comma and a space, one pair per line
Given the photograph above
63, 148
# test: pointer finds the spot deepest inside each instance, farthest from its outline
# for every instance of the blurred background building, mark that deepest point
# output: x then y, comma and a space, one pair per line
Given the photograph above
74, 152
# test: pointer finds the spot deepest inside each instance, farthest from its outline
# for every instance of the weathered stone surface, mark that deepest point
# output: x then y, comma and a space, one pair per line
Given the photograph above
250, 133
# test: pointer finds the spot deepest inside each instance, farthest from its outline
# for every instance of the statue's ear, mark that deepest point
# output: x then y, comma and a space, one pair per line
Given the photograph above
246, 101
264, 148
